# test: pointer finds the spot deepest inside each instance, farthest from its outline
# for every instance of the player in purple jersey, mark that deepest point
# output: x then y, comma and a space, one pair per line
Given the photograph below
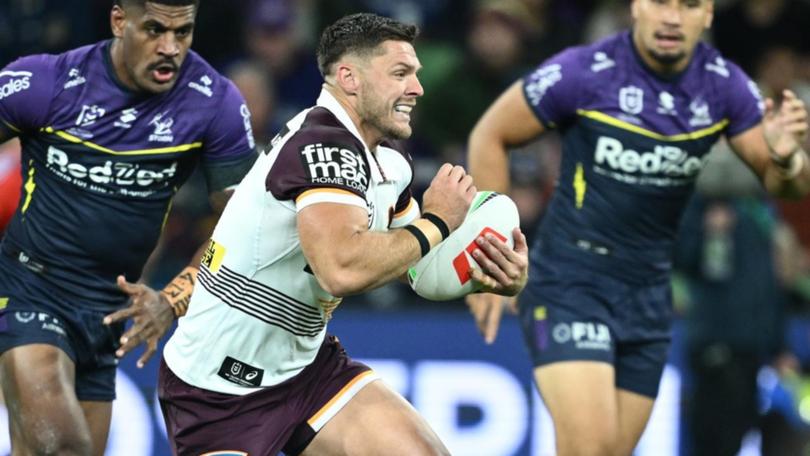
637, 113
109, 133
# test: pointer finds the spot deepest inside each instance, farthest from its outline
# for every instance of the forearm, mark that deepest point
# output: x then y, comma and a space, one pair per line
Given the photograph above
791, 179
348, 260
488, 161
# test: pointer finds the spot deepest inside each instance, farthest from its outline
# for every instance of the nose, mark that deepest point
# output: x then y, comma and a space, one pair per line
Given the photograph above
168, 45
415, 87
672, 13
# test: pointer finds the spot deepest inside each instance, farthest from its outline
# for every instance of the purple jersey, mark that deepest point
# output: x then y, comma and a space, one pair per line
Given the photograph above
101, 163
633, 143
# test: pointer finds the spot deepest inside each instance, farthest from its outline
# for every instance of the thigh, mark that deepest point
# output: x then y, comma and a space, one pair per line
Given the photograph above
98, 415
376, 421
634, 411
581, 398
38, 387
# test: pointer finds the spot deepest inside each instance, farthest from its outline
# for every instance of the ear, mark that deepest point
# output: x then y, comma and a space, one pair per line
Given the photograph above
347, 77
118, 19
634, 9
709, 14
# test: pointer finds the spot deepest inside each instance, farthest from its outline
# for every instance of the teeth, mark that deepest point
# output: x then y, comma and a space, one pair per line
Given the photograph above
403, 108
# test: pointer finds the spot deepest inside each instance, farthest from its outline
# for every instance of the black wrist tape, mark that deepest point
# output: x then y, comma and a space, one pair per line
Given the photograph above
424, 244
436, 220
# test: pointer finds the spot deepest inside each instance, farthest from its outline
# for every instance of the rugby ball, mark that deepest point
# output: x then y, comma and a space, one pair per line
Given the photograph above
444, 273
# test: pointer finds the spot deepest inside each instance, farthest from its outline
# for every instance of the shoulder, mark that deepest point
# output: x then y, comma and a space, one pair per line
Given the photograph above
320, 126
203, 83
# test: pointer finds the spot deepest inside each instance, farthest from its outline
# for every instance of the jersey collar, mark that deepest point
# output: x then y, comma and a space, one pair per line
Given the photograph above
328, 101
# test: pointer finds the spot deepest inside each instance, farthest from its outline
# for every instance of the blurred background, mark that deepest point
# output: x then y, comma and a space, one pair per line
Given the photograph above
739, 375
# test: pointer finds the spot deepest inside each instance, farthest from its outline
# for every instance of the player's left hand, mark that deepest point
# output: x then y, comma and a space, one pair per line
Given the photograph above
786, 128
151, 317
487, 309
504, 270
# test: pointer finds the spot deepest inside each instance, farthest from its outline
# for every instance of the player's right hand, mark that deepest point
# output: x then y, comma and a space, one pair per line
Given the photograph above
151, 317
450, 194
487, 309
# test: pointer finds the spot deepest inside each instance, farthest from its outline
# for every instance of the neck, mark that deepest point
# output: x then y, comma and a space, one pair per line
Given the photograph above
370, 135
119, 67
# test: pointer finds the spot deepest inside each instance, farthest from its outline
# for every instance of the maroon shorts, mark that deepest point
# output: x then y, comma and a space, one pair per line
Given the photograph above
284, 417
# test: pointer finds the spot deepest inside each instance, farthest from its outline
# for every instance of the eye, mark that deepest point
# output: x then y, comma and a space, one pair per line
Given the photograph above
183, 32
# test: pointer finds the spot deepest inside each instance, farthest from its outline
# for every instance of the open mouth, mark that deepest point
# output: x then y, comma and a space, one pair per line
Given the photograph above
403, 110
164, 73
668, 39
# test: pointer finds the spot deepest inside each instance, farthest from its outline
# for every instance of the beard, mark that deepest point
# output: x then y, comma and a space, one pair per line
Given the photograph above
667, 59
376, 113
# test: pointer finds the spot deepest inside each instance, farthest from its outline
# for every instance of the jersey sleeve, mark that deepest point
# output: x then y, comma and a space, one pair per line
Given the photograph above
407, 209
744, 105
553, 89
229, 147
26, 91
327, 165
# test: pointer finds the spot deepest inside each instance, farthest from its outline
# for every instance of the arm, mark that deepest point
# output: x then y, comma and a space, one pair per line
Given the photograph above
773, 148
346, 257
508, 122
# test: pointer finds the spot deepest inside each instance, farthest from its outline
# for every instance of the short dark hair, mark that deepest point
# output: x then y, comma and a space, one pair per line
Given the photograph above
124, 3
359, 33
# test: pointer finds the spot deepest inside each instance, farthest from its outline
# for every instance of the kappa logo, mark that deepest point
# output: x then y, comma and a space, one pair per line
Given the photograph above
204, 86
335, 165
461, 263
75, 78
719, 67
541, 80
601, 62
19, 81
631, 99
163, 128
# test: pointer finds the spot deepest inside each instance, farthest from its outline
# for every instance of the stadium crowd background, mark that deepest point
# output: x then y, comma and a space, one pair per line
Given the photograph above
471, 51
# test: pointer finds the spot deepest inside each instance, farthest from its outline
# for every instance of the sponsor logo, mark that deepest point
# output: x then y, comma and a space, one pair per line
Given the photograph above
163, 128
700, 113
584, 335
25, 317
752, 86
75, 78
335, 165
461, 263
204, 86
666, 104
80, 132
121, 174
719, 67
89, 115
213, 255
601, 62
18, 82
541, 80
613, 159
245, 112
631, 100
241, 373
127, 117
46, 321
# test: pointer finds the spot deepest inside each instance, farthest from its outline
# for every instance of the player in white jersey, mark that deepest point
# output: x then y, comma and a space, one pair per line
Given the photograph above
326, 212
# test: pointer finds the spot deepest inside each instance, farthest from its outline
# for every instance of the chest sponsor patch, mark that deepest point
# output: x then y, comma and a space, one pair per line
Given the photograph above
335, 165
243, 374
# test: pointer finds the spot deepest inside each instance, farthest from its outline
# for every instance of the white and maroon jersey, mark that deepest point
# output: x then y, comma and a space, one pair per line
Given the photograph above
258, 315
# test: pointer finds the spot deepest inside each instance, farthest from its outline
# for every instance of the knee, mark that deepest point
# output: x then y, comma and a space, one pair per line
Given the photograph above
51, 442
601, 445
